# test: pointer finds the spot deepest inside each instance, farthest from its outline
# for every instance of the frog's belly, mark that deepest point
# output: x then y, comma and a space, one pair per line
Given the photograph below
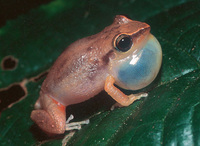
71, 94
74, 89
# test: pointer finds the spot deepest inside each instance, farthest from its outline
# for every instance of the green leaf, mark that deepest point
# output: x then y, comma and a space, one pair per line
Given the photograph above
168, 116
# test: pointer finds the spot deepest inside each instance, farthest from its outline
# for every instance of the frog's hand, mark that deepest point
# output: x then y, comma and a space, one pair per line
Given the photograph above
118, 95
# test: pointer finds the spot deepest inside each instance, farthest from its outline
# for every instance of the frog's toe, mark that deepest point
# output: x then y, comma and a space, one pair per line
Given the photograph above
74, 125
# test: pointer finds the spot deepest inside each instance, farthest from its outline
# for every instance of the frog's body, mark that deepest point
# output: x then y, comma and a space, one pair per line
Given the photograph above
94, 63
78, 73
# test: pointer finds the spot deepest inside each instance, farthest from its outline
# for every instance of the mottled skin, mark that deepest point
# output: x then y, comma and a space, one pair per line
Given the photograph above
82, 71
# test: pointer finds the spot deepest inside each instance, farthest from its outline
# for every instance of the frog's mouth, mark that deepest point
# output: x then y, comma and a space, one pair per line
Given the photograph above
141, 68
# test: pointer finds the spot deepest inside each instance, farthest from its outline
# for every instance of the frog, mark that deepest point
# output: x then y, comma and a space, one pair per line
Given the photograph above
123, 54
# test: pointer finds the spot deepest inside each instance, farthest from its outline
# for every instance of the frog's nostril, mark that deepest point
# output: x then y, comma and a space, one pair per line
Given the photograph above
147, 29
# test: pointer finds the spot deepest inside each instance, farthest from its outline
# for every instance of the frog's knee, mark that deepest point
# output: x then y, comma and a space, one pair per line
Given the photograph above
37, 104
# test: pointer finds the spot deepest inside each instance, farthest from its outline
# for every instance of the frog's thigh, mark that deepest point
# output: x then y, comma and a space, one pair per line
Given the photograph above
118, 95
51, 118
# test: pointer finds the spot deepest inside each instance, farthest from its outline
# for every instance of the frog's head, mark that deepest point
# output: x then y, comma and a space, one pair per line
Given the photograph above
138, 55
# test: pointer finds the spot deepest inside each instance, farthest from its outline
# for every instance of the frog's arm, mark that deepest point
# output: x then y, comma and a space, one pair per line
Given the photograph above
118, 95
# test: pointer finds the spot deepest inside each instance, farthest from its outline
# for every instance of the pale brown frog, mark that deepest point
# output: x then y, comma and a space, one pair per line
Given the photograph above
124, 53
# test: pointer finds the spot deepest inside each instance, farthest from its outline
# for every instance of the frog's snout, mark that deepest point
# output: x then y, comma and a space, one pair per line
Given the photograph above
142, 67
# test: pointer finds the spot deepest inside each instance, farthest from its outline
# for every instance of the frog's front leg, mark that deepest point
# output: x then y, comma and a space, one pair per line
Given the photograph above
118, 95
49, 115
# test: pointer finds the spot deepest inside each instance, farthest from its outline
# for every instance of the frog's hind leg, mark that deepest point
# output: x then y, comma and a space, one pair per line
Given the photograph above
49, 115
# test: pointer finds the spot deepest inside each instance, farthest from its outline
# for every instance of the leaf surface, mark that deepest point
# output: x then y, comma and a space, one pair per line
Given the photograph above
168, 116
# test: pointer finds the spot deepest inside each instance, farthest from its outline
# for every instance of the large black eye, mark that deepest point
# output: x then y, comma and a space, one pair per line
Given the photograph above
123, 43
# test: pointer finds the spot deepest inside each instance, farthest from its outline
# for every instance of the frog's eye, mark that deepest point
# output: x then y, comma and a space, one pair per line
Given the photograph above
123, 43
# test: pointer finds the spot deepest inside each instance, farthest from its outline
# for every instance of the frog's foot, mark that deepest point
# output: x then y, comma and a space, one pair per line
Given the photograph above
74, 125
118, 95
137, 96
133, 96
